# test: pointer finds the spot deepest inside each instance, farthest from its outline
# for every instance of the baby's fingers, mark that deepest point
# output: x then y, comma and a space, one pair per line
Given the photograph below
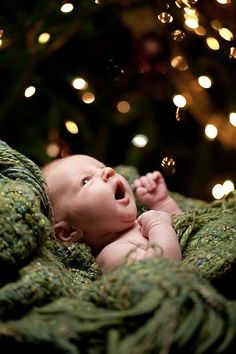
157, 176
147, 181
137, 183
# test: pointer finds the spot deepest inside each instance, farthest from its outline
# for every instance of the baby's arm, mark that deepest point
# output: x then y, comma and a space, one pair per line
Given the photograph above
157, 227
151, 190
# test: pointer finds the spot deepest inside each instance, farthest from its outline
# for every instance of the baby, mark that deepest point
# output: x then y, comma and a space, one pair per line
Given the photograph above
95, 205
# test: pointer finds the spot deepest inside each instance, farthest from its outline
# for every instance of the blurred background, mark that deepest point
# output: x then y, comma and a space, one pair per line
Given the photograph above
143, 83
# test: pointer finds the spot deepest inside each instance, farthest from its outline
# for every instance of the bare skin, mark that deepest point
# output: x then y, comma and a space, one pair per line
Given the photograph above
95, 205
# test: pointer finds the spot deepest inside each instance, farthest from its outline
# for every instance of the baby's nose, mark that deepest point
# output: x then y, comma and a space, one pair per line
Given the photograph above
107, 172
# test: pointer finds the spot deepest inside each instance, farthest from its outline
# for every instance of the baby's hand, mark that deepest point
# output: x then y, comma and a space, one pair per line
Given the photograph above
151, 189
153, 218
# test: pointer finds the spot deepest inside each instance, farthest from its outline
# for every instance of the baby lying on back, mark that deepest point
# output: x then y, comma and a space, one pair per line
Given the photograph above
95, 205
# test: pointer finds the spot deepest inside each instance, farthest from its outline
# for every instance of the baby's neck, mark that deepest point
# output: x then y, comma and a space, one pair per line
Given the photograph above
106, 239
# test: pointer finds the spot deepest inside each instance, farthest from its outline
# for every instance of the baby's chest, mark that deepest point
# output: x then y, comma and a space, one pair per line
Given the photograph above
135, 237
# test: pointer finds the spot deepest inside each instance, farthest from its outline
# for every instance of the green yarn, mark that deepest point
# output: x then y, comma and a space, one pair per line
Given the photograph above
15, 165
208, 237
164, 307
24, 228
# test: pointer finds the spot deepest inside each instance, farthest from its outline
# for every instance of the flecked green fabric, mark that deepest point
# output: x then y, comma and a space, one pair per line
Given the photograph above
53, 297
208, 237
152, 306
19, 216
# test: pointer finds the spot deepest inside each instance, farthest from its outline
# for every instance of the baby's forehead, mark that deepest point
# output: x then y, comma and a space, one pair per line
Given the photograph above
85, 160
80, 162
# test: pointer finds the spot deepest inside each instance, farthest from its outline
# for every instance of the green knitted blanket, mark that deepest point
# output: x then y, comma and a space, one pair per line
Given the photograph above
53, 297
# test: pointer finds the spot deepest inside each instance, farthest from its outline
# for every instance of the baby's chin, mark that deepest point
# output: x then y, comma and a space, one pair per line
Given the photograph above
131, 217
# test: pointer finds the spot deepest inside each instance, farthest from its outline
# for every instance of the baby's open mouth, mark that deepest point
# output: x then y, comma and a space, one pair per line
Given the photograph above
120, 191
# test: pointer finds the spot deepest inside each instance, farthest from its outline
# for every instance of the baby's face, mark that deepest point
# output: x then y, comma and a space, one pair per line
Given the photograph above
93, 197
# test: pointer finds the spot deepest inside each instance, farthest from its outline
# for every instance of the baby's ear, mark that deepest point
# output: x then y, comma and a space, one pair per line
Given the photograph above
65, 232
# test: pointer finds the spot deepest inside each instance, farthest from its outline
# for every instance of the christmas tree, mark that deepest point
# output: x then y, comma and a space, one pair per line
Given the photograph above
143, 83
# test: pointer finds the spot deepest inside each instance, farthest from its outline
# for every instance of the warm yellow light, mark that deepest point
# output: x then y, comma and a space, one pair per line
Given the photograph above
204, 81
179, 63
232, 52
191, 23
0, 42
216, 24
44, 38
123, 107
88, 97
72, 127
211, 131
224, 2
67, 7
164, 17
140, 140
179, 101
218, 191
79, 84
53, 150
232, 118
200, 30
212, 43
169, 164
30, 91
228, 186
226, 34
221, 190
190, 11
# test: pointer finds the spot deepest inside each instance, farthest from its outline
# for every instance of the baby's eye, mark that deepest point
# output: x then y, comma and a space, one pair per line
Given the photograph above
84, 181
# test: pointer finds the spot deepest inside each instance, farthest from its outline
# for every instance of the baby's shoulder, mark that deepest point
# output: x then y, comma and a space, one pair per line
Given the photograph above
113, 254
116, 252
134, 236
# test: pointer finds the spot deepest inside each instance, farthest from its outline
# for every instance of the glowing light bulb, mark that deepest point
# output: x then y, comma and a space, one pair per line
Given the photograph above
140, 140
123, 107
179, 63
67, 7
72, 127
191, 23
204, 81
232, 52
216, 24
226, 34
88, 97
224, 2
169, 165
228, 186
30, 91
179, 101
164, 17
44, 38
190, 11
211, 131
218, 191
79, 84
232, 118
200, 31
212, 43
53, 150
